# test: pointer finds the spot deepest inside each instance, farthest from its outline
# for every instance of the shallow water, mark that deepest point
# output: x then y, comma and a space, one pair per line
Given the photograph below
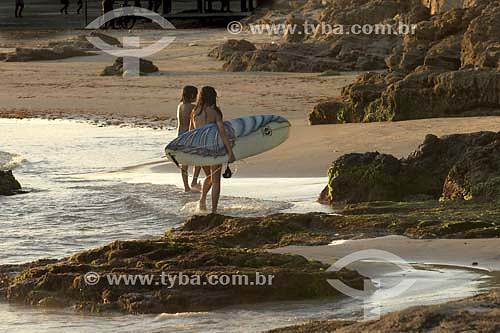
78, 201
436, 284
81, 195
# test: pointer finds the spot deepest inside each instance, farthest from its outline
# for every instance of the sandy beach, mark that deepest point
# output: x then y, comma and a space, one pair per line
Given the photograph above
474, 253
72, 87
90, 186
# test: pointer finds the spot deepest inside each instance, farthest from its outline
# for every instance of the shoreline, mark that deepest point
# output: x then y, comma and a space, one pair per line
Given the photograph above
310, 150
479, 254
57, 87
193, 228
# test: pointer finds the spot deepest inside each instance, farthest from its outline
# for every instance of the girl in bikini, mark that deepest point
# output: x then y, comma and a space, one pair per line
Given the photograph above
207, 112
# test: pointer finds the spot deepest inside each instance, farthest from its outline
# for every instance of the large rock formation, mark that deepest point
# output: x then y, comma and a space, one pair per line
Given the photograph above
197, 252
460, 166
8, 184
332, 47
419, 95
216, 245
449, 67
476, 175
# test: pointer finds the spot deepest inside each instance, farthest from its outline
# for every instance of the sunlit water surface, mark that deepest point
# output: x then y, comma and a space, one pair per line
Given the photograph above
81, 195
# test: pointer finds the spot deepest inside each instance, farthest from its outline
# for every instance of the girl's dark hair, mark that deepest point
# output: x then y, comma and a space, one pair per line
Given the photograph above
189, 94
207, 97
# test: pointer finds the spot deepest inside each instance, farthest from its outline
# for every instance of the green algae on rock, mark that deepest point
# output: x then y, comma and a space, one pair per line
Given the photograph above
458, 166
63, 283
422, 94
216, 245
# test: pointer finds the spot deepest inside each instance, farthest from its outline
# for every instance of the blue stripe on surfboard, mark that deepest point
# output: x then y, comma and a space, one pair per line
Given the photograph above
206, 141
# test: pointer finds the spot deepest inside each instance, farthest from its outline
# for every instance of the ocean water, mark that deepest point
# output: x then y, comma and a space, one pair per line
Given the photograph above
90, 185
82, 193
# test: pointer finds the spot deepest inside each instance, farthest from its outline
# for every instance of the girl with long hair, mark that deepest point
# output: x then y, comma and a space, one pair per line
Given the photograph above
207, 112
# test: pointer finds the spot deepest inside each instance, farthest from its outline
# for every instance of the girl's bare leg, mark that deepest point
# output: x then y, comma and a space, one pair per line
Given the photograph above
216, 174
185, 180
207, 184
194, 183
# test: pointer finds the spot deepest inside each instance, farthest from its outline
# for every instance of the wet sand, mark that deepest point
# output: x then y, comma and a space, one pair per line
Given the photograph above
72, 87
478, 256
474, 253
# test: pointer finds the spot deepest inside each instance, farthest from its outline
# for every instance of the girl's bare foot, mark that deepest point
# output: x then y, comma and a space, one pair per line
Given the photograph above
187, 189
196, 187
202, 206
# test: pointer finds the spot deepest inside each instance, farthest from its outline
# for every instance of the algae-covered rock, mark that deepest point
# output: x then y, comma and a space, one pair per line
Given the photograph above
178, 276
431, 94
477, 175
230, 248
375, 176
454, 166
420, 95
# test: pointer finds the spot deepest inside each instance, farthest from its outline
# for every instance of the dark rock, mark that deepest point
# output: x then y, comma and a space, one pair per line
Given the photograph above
329, 112
81, 42
8, 184
422, 94
324, 197
227, 49
145, 66
477, 175
365, 177
355, 99
306, 52
464, 166
197, 258
37, 54
215, 245
481, 41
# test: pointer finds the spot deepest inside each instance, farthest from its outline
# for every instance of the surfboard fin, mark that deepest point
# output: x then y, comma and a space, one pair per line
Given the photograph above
174, 160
